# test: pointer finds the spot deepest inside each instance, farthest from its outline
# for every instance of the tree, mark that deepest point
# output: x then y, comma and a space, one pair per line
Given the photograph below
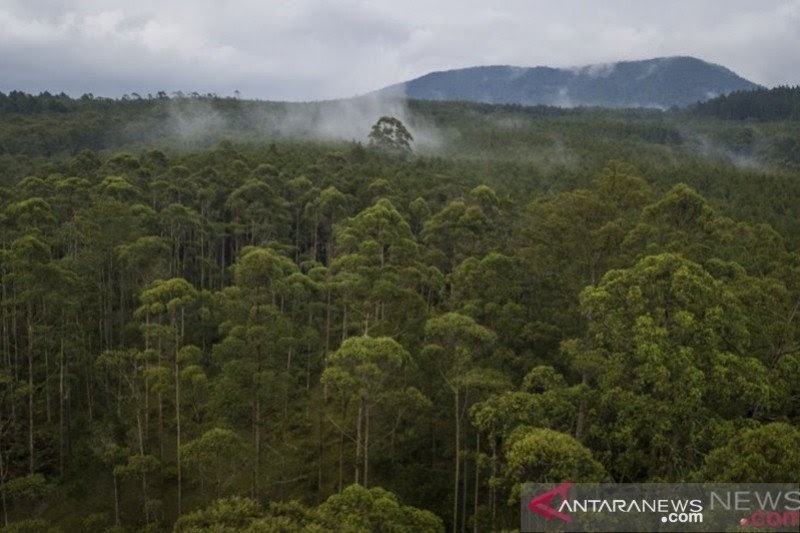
390, 136
354, 510
455, 343
547, 456
168, 301
379, 269
363, 370
766, 454
569, 240
225, 515
360, 510
493, 291
144, 467
667, 349
217, 455
546, 402
465, 227
255, 332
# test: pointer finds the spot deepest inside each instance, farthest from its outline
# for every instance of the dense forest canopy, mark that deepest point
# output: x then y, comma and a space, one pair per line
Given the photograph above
779, 103
246, 315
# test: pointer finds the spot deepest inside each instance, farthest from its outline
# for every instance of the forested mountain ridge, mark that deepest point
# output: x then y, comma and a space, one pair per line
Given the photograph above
542, 139
202, 333
778, 103
661, 83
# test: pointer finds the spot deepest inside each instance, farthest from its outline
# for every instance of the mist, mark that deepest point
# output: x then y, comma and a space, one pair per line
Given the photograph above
702, 144
202, 122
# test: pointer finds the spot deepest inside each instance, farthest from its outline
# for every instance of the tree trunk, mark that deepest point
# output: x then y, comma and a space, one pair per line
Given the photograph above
366, 446
257, 441
341, 449
160, 407
464, 497
477, 482
178, 414
144, 473
358, 438
48, 412
457, 460
116, 502
492, 490
61, 430
31, 460
582, 408
3, 482
320, 451
328, 322
344, 320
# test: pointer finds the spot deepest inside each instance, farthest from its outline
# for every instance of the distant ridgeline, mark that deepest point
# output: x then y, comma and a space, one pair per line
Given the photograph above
780, 103
21, 102
659, 83
44, 102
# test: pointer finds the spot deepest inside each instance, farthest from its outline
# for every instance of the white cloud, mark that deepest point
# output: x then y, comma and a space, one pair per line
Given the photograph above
311, 49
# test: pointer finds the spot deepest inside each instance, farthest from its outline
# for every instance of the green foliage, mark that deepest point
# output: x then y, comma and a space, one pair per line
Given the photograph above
30, 487
390, 136
358, 509
362, 365
32, 526
778, 103
766, 454
215, 455
534, 294
355, 510
547, 456
224, 515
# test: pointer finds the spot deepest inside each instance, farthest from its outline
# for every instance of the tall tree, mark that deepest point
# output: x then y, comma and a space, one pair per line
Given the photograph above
167, 304
455, 344
363, 371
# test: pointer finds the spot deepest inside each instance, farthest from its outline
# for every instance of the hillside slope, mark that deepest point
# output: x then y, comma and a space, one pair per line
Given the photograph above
660, 83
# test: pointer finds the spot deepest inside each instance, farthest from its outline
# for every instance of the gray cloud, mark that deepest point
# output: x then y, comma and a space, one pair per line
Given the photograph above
317, 49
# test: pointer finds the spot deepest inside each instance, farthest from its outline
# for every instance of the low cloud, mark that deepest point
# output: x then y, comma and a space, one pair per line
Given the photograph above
204, 121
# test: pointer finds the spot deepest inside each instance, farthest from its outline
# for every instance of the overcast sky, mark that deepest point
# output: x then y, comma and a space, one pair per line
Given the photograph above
319, 49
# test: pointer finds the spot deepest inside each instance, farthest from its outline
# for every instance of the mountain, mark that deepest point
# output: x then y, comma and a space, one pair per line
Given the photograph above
661, 83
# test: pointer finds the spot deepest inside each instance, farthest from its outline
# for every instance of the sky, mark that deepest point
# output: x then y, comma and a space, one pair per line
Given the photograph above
299, 50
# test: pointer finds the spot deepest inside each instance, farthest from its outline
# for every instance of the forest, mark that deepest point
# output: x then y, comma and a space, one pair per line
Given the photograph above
228, 315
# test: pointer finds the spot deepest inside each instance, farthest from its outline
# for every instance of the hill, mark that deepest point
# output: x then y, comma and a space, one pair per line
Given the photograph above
660, 83
780, 103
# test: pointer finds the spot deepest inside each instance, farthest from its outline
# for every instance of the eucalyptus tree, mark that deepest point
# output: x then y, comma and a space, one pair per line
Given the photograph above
258, 213
217, 455
323, 210
467, 226
539, 455
165, 306
258, 333
761, 454
569, 240
363, 371
545, 400
390, 136
455, 347
33, 286
181, 228
378, 264
667, 349
493, 290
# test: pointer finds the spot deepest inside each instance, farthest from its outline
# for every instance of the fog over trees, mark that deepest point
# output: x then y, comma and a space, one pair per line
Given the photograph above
234, 325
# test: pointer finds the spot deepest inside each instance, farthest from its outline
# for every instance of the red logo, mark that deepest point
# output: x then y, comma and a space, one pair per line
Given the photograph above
542, 504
